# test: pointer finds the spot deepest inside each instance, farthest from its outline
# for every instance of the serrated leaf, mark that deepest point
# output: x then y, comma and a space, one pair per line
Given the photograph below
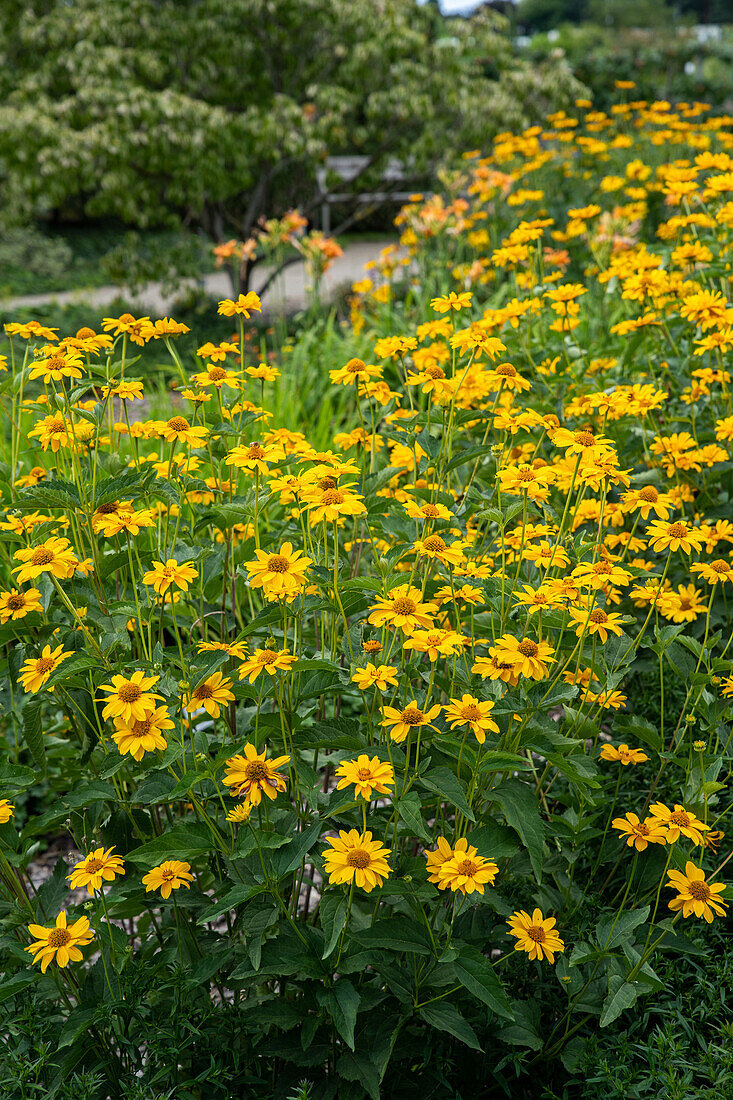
445, 1017
33, 731
621, 995
332, 913
611, 932
521, 811
443, 782
476, 974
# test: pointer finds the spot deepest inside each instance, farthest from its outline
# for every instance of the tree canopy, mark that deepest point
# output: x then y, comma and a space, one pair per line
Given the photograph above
212, 112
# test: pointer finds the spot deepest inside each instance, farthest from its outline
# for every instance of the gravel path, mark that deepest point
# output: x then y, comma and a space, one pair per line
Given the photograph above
286, 295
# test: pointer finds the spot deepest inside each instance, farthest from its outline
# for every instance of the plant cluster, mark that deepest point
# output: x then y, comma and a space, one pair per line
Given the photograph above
356, 797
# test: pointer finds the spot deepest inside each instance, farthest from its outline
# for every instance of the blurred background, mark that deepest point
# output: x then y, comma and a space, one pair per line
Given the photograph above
135, 135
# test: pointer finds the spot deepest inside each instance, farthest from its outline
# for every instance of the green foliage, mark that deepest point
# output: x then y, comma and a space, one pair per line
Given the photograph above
156, 112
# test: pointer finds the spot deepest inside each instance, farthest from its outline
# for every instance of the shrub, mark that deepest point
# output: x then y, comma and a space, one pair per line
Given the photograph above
398, 766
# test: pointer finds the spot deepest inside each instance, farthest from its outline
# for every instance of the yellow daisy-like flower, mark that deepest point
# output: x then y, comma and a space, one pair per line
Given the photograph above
468, 711
695, 896
130, 699
466, 872
595, 621
451, 301
332, 504
56, 365
524, 656
36, 670
53, 556
403, 608
212, 694
440, 855
242, 306
94, 870
62, 941
267, 660
141, 735
536, 935
367, 774
679, 822
674, 536
7, 810
252, 774
355, 857
178, 429
378, 676
281, 575
639, 834
240, 813
433, 547
163, 575
718, 571
436, 643
400, 722
168, 876
623, 754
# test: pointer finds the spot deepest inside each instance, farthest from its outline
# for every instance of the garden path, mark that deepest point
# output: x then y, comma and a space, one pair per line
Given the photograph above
288, 294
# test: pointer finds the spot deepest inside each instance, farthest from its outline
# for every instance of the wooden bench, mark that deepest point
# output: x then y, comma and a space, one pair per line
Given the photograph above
348, 169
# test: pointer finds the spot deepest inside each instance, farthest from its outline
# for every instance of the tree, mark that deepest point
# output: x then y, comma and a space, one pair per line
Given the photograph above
213, 112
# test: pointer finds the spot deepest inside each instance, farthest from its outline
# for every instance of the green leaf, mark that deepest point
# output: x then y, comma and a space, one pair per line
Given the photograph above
342, 1004
446, 784
611, 932
476, 974
399, 934
621, 995
33, 731
332, 913
181, 842
409, 809
53, 493
444, 1017
522, 812
291, 856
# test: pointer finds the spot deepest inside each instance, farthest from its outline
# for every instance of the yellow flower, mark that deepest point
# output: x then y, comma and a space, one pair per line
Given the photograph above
243, 305
268, 660
16, 605
36, 670
695, 896
435, 643
466, 872
62, 941
253, 773
673, 536
240, 813
332, 504
7, 810
379, 676
718, 571
440, 855
212, 694
164, 574
355, 371
595, 620
524, 656
468, 711
140, 735
623, 754
355, 857
366, 774
130, 699
56, 365
451, 301
53, 556
679, 822
639, 834
217, 376
435, 547
281, 575
401, 722
94, 870
536, 935
168, 876
178, 429
402, 609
